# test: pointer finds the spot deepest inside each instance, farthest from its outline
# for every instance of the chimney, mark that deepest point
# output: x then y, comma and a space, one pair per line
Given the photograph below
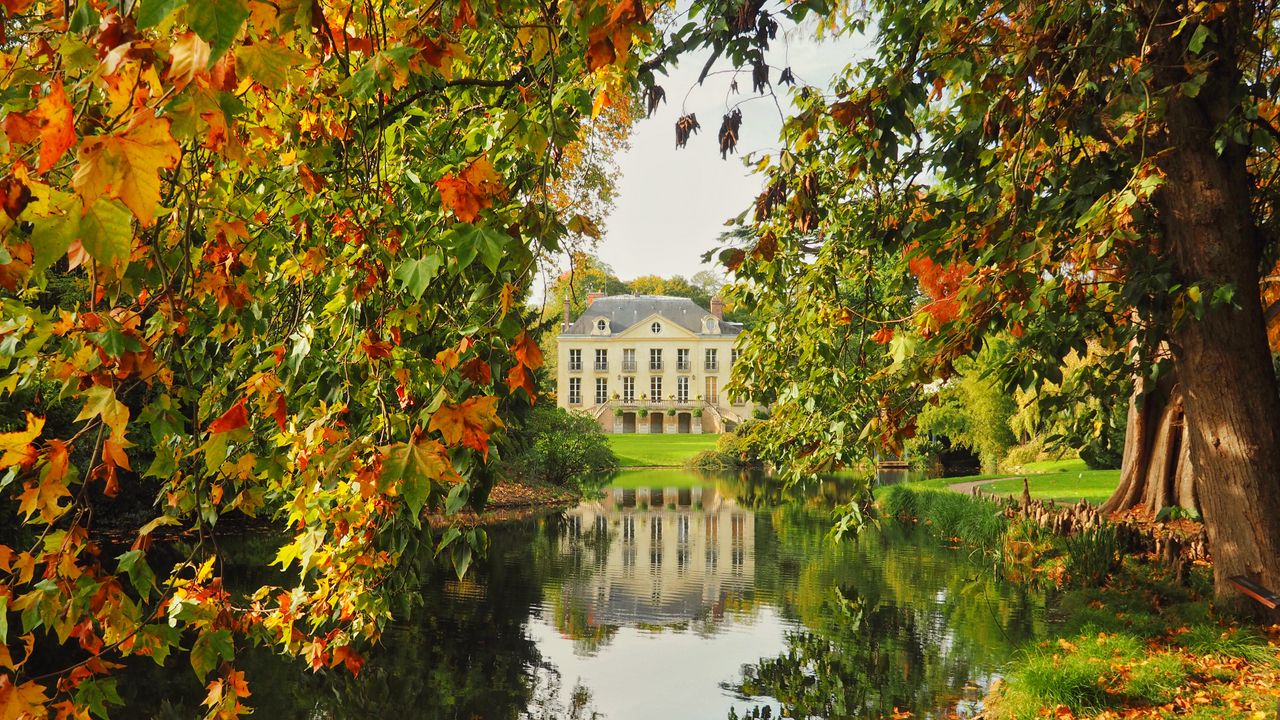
717, 307
593, 296
565, 326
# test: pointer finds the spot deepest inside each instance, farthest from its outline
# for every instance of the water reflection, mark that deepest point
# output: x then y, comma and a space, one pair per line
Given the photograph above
670, 595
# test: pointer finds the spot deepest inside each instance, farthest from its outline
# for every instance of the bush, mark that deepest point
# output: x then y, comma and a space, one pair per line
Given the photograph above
901, 502
555, 446
734, 449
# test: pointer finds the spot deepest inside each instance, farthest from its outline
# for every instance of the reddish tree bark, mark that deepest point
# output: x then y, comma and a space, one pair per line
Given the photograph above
1155, 470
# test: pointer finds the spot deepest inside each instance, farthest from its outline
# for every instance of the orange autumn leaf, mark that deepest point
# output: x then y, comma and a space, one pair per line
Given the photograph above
469, 423
56, 118
21, 701
43, 497
477, 371
472, 190
447, 359
518, 377
882, 336
233, 419
127, 166
526, 351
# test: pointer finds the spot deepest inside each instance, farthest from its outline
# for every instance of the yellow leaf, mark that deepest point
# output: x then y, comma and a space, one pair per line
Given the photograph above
127, 165
17, 445
19, 702
190, 57
43, 497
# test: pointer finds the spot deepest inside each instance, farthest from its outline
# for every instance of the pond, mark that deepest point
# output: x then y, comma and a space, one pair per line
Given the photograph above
671, 595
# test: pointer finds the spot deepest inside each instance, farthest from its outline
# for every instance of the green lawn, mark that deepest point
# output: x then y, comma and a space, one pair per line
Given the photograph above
658, 478
660, 450
1062, 480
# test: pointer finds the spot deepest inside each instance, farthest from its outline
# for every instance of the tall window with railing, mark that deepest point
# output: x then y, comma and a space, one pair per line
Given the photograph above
628, 360
602, 391
575, 360
712, 364
655, 358
628, 389
682, 360
575, 391
602, 359
734, 354
682, 389
655, 388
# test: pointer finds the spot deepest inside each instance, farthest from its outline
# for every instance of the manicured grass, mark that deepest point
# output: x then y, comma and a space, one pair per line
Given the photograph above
1062, 480
660, 450
1066, 481
658, 478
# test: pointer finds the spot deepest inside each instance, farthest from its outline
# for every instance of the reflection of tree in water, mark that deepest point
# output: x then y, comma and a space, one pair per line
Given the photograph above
886, 623
463, 652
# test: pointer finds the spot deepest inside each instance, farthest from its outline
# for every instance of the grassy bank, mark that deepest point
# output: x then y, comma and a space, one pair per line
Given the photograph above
1132, 642
1060, 480
659, 450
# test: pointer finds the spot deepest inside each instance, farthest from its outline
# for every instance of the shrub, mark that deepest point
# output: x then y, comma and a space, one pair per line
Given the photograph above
901, 502
697, 412
671, 412
617, 412
1091, 555
555, 446
643, 412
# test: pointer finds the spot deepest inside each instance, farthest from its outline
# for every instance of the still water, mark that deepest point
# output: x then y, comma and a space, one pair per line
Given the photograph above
672, 595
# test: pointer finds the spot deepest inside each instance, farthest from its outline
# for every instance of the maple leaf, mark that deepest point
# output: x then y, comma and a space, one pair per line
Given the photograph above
469, 423
477, 371
507, 298
474, 189
280, 410
16, 446
518, 377
447, 359
189, 58
233, 419
21, 128
127, 165
18, 702
526, 351
43, 497
56, 118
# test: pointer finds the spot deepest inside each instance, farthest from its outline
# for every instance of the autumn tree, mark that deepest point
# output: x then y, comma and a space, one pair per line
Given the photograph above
1063, 173
296, 236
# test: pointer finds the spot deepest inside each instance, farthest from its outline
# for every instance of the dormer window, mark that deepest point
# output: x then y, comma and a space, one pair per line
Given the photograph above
601, 325
656, 328
710, 325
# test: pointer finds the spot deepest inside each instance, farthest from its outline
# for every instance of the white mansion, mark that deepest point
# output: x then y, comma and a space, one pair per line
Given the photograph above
649, 364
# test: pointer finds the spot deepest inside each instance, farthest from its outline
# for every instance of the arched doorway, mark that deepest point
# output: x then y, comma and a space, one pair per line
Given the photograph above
684, 423
656, 422
628, 422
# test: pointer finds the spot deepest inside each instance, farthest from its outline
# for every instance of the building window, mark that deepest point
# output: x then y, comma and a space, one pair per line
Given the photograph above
734, 354
575, 391
602, 391
656, 328
602, 324
655, 388
575, 360
712, 364
713, 394
628, 389
628, 360
655, 359
682, 389
602, 359
682, 359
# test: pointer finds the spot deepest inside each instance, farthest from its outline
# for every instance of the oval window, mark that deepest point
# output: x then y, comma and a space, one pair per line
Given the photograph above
656, 328
601, 325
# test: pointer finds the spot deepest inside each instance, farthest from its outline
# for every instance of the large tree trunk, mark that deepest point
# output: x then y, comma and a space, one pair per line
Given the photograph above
1155, 471
1222, 360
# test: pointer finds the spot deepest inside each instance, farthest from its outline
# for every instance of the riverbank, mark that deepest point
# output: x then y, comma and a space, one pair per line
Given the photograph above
509, 502
660, 450
1068, 481
1136, 637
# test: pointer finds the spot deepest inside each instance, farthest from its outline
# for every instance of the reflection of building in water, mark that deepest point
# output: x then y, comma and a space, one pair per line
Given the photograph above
669, 557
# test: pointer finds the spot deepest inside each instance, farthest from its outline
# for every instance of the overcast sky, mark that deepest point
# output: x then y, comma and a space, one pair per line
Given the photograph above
672, 204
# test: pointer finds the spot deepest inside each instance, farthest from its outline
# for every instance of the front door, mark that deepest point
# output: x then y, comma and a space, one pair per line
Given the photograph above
655, 422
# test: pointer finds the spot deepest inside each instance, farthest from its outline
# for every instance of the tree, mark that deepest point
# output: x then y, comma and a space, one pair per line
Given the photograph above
1065, 173
298, 235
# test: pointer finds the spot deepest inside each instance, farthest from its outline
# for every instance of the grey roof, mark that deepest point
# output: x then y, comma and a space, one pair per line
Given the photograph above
623, 311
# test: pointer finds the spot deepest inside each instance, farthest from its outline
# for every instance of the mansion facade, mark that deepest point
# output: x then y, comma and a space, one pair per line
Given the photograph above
650, 364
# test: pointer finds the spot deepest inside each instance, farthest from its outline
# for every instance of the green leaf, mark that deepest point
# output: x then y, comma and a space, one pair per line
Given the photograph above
414, 465
267, 63
115, 343
4, 620
210, 649
472, 240
1198, 38
217, 22
153, 12
415, 275
106, 232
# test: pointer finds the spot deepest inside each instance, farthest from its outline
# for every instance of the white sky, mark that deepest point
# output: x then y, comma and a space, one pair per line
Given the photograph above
672, 204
